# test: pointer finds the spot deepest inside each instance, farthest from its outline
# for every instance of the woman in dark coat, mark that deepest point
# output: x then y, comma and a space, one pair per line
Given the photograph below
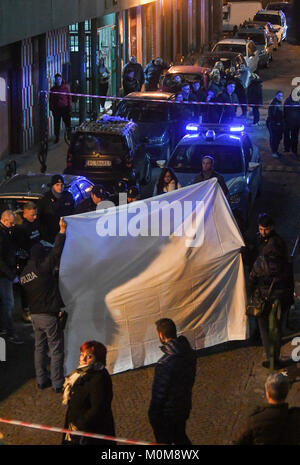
88, 395
272, 268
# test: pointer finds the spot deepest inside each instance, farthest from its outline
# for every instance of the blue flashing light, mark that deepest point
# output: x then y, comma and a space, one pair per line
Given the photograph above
234, 137
237, 128
192, 127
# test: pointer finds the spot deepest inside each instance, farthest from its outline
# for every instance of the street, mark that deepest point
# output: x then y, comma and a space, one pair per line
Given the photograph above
230, 378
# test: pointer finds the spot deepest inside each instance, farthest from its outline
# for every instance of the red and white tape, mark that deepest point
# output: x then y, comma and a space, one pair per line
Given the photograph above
107, 97
75, 433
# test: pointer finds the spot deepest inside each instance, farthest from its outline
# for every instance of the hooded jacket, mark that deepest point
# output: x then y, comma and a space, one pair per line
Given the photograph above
173, 381
153, 72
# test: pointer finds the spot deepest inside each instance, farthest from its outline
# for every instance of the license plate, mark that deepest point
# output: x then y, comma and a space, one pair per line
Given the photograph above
93, 163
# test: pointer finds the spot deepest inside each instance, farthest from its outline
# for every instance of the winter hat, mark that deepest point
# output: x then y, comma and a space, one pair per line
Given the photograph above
57, 178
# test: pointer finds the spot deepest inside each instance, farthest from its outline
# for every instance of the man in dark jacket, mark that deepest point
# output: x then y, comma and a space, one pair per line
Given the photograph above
255, 98
267, 425
208, 172
130, 83
137, 68
152, 73
291, 124
275, 123
174, 378
52, 206
26, 235
228, 112
41, 286
8, 273
98, 193
60, 103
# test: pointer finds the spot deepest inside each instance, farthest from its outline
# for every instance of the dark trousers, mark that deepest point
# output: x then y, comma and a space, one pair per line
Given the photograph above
170, 431
275, 136
291, 138
58, 113
48, 337
6, 306
263, 324
256, 115
103, 89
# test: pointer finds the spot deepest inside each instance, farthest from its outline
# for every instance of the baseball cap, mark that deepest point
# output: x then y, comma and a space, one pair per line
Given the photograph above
99, 191
57, 178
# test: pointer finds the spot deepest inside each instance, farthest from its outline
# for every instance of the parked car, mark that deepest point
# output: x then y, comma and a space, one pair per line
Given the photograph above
269, 28
285, 7
188, 73
246, 47
262, 40
22, 188
276, 18
157, 121
107, 151
236, 158
228, 59
235, 13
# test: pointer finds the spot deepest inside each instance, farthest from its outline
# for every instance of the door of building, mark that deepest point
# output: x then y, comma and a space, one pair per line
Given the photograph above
4, 114
107, 49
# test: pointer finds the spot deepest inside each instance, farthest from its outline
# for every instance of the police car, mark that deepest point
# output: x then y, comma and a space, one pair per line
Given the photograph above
236, 159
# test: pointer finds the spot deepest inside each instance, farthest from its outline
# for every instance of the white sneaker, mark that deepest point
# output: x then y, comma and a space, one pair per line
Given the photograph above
275, 155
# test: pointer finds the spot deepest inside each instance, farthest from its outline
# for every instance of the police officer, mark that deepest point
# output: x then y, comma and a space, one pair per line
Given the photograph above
120, 188
275, 123
98, 193
56, 203
41, 286
208, 172
26, 235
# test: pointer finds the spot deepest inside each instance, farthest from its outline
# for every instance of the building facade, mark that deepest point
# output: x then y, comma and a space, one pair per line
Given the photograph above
39, 39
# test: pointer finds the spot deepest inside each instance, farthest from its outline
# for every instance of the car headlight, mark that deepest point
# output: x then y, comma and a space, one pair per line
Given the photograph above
235, 198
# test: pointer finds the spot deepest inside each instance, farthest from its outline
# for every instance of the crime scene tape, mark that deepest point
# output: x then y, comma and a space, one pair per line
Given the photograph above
107, 97
75, 433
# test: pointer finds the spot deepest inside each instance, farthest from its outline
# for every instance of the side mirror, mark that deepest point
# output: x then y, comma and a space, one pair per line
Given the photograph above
161, 163
253, 165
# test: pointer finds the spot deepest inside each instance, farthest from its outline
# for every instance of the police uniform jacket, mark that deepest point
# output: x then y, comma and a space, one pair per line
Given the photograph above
7, 254
27, 234
40, 282
86, 205
275, 113
50, 209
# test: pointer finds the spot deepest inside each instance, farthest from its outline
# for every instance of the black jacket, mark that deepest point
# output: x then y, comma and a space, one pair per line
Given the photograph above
153, 72
228, 112
89, 407
173, 381
254, 92
265, 426
8, 264
27, 234
269, 268
138, 72
199, 178
86, 205
275, 113
40, 282
50, 209
291, 113
130, 85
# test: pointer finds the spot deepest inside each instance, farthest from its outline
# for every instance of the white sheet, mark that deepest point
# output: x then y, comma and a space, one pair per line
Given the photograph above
115, 288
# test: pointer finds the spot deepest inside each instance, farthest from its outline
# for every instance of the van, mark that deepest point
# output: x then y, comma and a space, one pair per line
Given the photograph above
235, 13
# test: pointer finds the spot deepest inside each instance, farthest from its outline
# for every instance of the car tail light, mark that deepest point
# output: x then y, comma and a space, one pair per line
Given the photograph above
69, 160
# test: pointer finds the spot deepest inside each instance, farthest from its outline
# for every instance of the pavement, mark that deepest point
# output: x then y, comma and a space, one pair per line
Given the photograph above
230, 379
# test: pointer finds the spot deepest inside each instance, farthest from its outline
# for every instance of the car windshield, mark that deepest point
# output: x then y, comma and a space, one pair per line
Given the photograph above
188, 159
237, 48
144, 112
210, 61
14, 204
105, 144
279, 6
273, 19
257, 38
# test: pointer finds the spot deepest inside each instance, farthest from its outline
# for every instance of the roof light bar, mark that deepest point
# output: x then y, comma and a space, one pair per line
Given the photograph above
237, 128
192, 127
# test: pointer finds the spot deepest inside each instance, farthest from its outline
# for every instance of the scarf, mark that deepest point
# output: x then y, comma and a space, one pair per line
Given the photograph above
56, 194
80, 371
